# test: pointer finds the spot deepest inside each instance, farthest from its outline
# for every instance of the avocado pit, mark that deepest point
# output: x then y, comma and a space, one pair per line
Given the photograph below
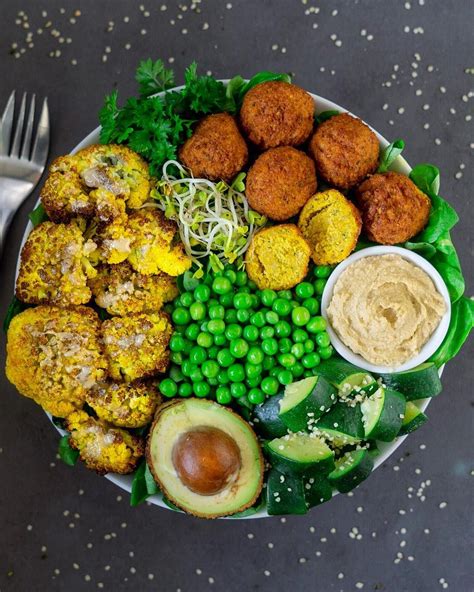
206, 460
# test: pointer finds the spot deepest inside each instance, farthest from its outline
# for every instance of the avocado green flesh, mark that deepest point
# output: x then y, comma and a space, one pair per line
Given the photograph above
178, 418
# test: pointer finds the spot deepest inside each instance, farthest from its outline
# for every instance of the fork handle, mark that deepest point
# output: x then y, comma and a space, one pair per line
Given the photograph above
6, 216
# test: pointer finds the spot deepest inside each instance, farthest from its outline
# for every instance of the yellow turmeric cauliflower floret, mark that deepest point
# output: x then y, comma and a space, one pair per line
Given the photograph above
154, 246
127, 405
121, 290
94, 182
54, 355
136, 346
102, 447
54, 266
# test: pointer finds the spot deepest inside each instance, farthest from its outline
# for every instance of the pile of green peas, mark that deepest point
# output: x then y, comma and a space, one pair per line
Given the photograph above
234, 342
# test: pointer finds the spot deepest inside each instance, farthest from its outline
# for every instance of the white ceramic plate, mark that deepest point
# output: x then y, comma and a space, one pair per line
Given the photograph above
386, 449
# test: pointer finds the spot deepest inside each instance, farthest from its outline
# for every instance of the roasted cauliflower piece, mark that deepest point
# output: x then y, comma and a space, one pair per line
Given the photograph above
102, 447
126, 405
54, 356
154, 246
121, 290
54, 266
136, 346
95, 182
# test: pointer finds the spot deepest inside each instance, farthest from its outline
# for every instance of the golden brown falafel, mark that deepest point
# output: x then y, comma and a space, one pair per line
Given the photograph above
331, 225
280, 182
393, 208
277, 114
103, 448
345, 151
136, 346
277, 257
216, 150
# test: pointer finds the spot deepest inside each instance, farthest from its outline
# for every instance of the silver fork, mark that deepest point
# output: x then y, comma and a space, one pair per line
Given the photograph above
22, 157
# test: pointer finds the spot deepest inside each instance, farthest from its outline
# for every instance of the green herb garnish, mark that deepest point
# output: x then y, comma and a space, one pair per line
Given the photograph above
67, 454
15, 307
389, 154
38, 215
143, 484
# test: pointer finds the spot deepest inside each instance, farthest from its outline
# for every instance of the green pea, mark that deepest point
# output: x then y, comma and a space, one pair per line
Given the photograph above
286, 294
241, 278
298, 350
312, 305
176, 357
205, 339
242, 301
186, 299
285, 377
223, 377
213, 381
255, 354
269, 385
168, 387
326, 352
230, 275
177, 343
213, 302
225, 358
294, 304
257, 319
271, 317
282, 329
270, 346
255, 301
236, 373
216, 327
308, 346
216, 312
297, 370
201, 389
185, 389
253, 370
319, 286
245, 290
220, 340
252, 285
233, 331
187, 367
299, 335
268, 297
192, 331
239, 348
210, 369
238, 389
188, 346
267, 332
202, 293
230, 316
284, 345
196, 375
322, 339
274, 371
300, 316
287, 360
197, 310
221, 285
253, 382
226, 299
256, 396
223, 395
181, 316
175, 373
268, 363
304, 290
243, 315
250, 333
281, 306
322, 271
308, 373
212, 352
316, 325
310, 360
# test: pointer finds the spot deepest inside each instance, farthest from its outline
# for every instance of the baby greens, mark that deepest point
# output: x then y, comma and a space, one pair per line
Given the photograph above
325, 115
67, 454
143, 484
389, 154
462, 322
38, 215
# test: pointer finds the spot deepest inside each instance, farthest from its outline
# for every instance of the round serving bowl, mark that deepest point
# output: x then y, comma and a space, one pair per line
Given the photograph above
386, 449
433, 342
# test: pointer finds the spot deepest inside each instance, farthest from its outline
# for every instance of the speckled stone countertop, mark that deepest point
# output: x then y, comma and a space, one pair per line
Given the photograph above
406, 68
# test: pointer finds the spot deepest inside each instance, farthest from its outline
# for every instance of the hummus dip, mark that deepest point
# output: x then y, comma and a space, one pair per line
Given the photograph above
385, 309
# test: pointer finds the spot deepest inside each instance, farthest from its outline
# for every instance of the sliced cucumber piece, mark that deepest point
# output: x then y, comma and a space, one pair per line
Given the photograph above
382, 414
266, 420
305, 401
342, 425
347, 377
418, 383
414, 418
317, 490
300, 453
285, 494
358, 383
351, 469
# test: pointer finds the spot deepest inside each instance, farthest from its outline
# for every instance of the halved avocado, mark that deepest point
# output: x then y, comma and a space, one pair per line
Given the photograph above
205, 458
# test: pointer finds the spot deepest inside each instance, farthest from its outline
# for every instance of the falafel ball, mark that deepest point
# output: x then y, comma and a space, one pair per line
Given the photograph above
278, 257
345, 151
277, 114
216, 150
393, 208
280, 182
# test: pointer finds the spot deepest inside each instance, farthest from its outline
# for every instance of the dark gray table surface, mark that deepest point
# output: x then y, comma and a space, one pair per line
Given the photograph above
407, 69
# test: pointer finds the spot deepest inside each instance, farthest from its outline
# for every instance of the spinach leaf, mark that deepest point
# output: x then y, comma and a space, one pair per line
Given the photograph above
170, 504
237, 88
143, 484
426, 177
389, 154
15, 307
325, 115
462, 322
38, 215
426, 250
67, 454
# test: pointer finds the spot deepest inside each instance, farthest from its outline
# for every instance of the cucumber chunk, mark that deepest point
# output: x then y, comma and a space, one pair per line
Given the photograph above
285, 494
351, 469
348, 379
414, 418
418, 383
305, 401
266, 419
382, 414
342, 425
317, 490
300, 453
